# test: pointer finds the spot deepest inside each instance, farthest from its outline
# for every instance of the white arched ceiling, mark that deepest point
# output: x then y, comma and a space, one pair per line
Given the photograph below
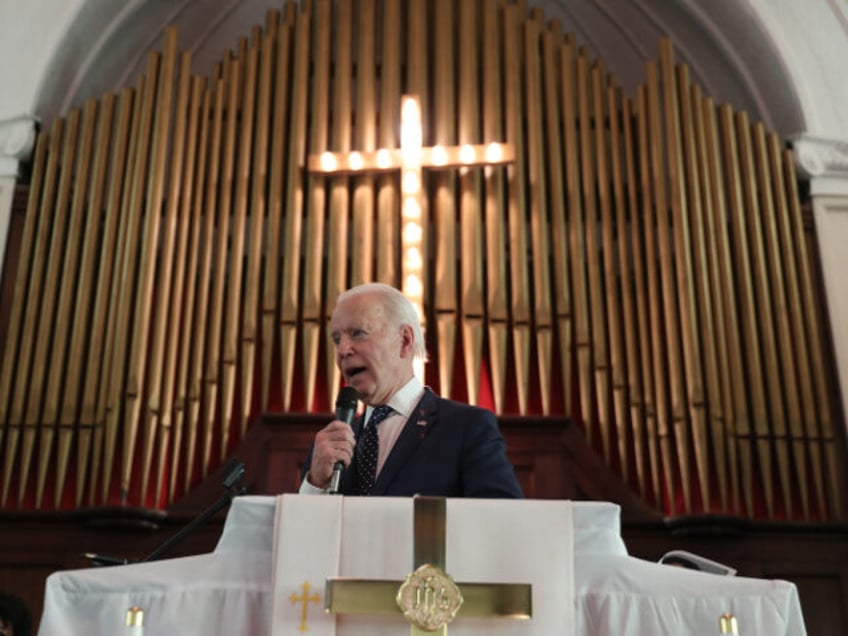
724, 43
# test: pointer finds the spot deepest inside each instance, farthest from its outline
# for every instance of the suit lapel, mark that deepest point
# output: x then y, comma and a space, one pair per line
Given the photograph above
424, 417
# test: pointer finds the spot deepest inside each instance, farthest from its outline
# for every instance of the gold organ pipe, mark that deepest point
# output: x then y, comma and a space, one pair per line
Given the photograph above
278, 31
124, 284
542, 313
180, 204
576, 236
783, 359
364, 138
335, 281
279, 142
70, 280
81, 330
293, 228
738, 413
519, 276
586, 77
224, 226
147, 268
176, 388
624, 320
799, 345
609, 264
235, 296
109, 385
90, 436
687, 396
195, 381
551, 45
774, 431
712, 303
63, 225
659, 370
698, 334
495, 210
443, 186
746, 310
471, 290
315, 211
815, 338
156, 418
388, 256
250, 330
666, 188
28, 245
27, 286
623, 138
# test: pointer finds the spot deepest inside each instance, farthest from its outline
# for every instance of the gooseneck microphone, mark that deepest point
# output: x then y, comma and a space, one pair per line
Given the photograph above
345, 410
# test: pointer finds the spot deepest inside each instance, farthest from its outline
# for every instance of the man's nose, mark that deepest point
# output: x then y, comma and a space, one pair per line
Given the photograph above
344, 347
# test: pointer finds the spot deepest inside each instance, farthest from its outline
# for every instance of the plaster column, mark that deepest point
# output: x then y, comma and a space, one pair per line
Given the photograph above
17, 137
825, 163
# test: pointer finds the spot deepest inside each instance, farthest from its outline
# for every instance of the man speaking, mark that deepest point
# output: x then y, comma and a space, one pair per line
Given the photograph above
409, 441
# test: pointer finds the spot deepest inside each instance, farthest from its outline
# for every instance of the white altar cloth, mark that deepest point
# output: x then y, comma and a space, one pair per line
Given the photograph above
230, 590
371, 538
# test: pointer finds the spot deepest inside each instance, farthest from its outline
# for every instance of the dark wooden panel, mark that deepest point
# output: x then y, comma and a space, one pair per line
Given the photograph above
34, 545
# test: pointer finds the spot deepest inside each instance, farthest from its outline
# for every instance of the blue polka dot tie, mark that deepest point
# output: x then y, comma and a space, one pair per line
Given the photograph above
367, 449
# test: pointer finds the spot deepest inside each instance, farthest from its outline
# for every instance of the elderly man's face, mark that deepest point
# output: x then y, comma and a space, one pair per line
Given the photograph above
375, 357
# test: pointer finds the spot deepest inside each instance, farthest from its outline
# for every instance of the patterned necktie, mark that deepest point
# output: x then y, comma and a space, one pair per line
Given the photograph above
367, 449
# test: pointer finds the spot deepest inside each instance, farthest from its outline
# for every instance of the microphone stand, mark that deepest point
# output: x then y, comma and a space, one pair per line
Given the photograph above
234, 487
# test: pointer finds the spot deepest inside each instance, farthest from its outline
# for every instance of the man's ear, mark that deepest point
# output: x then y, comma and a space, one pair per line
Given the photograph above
407, 341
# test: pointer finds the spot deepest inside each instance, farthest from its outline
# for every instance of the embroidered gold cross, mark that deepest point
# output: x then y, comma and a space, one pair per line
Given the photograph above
428, 598
304, 598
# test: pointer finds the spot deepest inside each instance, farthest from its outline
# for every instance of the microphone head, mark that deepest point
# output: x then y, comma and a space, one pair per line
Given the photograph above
346, 404
233, 473
347, 398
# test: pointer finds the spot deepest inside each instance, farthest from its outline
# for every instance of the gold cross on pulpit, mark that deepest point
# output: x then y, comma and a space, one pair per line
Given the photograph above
306, 599
429, 598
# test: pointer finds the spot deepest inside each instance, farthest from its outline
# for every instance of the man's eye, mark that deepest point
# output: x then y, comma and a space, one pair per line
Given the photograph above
358, 333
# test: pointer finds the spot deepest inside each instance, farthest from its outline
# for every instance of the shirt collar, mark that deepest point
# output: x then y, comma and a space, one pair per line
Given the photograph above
404, 399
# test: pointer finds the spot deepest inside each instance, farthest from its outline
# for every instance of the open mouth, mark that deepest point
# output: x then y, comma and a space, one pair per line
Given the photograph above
354, 371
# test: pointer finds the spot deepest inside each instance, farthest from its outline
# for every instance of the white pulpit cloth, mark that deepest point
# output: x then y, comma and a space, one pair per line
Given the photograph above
487, 541
230, 590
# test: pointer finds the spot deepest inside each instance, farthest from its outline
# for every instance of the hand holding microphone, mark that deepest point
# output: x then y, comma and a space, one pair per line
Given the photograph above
345, 410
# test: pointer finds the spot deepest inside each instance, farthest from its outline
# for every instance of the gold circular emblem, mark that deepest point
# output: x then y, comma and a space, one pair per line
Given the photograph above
429, 598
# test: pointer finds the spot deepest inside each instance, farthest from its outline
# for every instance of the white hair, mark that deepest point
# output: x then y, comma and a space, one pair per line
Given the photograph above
399, 310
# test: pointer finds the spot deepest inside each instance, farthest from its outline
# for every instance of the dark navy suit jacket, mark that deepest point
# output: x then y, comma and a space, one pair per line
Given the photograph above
446, 449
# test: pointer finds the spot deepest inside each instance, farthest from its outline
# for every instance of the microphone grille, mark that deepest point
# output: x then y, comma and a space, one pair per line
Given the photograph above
347, 398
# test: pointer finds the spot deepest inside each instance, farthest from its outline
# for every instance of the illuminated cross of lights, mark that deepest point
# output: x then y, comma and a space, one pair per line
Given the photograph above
411, 158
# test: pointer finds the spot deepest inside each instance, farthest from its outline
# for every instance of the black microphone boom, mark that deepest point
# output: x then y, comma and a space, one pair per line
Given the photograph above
232, 482
345, 410
233, 475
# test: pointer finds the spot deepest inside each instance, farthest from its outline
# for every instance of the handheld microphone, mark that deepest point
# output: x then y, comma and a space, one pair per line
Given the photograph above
345, 410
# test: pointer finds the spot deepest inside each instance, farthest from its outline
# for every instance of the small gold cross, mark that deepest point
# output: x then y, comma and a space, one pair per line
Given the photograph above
305, 599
